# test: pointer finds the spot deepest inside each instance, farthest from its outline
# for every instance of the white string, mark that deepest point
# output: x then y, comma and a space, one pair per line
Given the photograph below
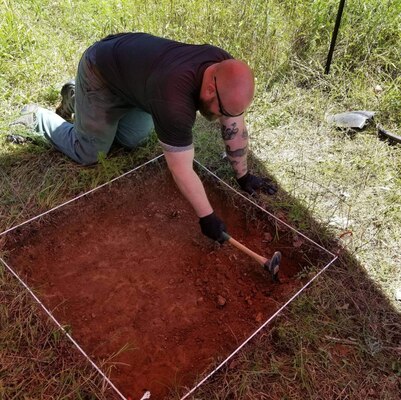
258, 330
267, 212
63, 330
78, 197
145, 396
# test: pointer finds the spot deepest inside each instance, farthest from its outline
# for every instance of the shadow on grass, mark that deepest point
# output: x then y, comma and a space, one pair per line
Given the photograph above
339, 339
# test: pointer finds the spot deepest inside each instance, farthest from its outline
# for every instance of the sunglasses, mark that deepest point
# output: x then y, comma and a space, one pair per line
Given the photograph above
221, 108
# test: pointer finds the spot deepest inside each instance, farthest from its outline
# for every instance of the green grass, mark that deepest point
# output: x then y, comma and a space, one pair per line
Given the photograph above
340, 339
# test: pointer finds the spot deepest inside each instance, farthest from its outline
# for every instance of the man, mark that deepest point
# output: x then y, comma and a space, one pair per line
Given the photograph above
129, 83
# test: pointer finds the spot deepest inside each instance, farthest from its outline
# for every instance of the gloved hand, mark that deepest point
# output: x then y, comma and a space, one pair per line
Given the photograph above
251, 184
213, 227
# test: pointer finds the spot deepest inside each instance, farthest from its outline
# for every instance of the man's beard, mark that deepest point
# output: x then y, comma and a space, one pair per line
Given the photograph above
204, 109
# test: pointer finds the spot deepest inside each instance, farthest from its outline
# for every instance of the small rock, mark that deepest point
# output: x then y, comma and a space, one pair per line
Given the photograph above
232, 257
171, 281
259, 317
281, 215
221, 301
199, 300
378, 89
398, 294
175, 214
93, 315
298, 241
268, 237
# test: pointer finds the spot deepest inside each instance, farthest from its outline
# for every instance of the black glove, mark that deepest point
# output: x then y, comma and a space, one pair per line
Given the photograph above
213, 227
250, 183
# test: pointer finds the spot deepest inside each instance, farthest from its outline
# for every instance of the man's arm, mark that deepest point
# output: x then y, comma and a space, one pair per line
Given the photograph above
235, 136
181, 166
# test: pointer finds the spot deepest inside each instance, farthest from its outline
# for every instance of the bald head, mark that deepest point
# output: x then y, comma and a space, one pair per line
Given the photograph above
235, 85
227, 89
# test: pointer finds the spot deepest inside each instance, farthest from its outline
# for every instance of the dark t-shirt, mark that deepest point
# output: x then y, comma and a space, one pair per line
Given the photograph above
161, 76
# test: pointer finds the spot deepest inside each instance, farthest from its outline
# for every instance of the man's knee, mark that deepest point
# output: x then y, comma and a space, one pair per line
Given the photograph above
134, 141
134, 128
85, 153
87, 161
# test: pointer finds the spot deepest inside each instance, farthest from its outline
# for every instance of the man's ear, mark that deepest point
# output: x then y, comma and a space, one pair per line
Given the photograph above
210, 90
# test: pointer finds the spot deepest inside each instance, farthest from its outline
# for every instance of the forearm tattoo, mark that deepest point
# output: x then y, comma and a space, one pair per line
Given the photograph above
228, 133
240, 167
236, 153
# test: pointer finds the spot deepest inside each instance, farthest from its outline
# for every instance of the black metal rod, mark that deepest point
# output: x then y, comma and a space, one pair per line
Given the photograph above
334, 36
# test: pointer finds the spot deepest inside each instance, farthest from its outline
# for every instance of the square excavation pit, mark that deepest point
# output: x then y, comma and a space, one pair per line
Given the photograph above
127, 267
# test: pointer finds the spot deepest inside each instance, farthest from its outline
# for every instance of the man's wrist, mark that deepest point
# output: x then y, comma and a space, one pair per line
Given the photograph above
239, 172
205, 212
243, 179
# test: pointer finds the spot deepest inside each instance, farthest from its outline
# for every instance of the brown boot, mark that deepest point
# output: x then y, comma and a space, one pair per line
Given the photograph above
67, 106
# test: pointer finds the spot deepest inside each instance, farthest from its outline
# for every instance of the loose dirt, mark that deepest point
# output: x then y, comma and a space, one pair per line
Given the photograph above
128, 270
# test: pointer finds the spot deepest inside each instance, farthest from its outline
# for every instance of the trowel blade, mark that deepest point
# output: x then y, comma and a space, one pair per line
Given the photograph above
351, 119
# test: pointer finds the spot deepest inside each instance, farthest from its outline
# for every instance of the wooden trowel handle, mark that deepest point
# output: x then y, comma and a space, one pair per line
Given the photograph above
258, 258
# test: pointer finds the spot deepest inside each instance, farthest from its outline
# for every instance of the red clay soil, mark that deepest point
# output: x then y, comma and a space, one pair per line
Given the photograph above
127, 265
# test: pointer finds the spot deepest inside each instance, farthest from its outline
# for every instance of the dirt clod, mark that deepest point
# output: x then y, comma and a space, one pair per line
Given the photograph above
221, 301
268, 237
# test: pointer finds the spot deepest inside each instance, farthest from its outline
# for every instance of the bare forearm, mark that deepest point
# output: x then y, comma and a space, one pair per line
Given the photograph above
235, 136
181, 167
192, 188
